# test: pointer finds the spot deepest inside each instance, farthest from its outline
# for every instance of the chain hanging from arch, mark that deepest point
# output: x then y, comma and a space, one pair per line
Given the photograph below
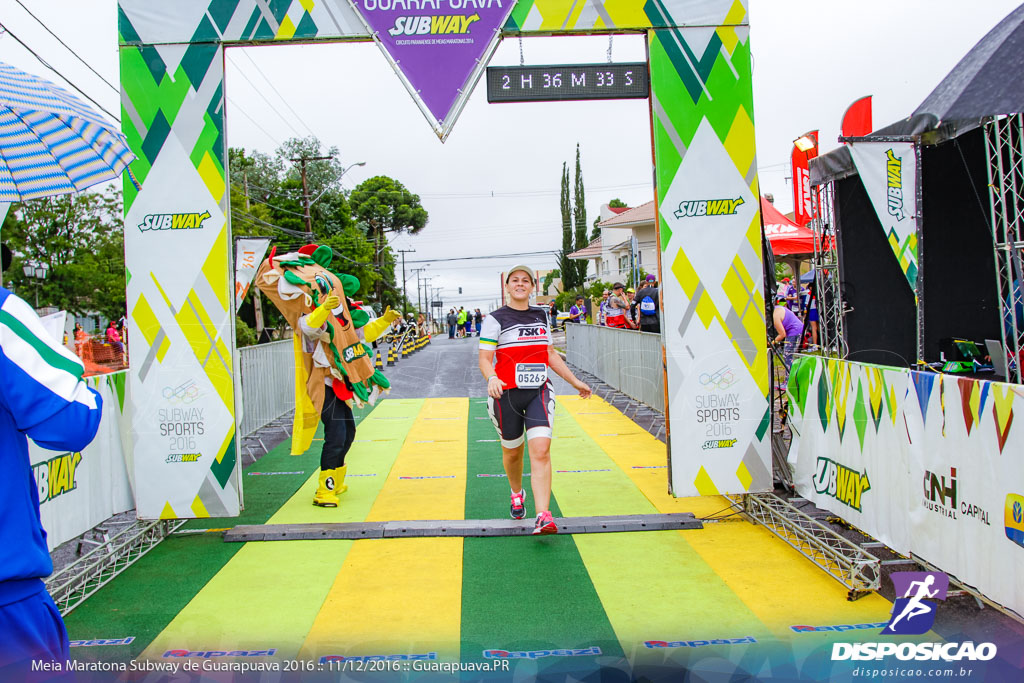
522, 61
610, 36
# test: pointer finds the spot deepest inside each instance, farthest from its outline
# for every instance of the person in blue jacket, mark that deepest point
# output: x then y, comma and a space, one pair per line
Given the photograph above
42, 397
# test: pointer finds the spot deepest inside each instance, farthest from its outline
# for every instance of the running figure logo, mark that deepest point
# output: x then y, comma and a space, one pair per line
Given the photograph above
911, 615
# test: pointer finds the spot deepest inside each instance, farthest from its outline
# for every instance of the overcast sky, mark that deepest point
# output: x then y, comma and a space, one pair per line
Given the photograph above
493, 187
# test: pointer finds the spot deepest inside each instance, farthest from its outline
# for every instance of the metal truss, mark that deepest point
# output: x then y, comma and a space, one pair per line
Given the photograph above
781, 435
831, 311
112, 555
1004, 146
843, 560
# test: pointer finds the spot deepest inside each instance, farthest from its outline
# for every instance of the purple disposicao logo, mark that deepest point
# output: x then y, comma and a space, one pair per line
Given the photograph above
911, 614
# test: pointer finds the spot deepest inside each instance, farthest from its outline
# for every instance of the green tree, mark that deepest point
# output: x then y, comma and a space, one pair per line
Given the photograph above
80, 239
550, 277
641, 276
256, 172
580, 216
597, 288
565, 264
321, 175
267, 200
384, 205
244, 335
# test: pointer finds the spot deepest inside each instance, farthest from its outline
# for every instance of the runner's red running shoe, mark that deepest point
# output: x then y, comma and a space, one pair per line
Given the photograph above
518, 506
545, 524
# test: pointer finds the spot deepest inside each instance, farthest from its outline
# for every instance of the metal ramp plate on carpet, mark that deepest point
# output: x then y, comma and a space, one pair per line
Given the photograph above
458, 527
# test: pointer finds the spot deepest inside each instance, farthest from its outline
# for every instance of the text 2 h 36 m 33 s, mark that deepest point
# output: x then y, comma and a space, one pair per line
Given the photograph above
567, 82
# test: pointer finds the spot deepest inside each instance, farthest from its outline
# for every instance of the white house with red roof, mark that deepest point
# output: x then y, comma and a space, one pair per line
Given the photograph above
610, 252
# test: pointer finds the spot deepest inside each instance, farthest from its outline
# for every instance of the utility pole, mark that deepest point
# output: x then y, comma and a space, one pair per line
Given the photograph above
419, 306
426, 298
257, 302
405, 298
305, 192
245, 183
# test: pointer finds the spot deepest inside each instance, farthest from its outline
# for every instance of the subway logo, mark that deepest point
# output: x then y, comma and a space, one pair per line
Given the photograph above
1014, 518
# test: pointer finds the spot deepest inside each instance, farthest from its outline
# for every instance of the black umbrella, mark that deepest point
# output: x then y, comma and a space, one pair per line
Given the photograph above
988, 81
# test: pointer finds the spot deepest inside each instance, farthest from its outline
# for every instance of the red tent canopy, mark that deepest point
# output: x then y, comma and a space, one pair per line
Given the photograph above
785, 236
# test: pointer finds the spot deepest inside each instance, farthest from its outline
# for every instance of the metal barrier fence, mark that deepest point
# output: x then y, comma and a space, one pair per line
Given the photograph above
627, 360
268, 383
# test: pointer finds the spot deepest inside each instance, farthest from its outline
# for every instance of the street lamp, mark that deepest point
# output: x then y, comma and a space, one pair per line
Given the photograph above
340, 176
350, 167
36, 271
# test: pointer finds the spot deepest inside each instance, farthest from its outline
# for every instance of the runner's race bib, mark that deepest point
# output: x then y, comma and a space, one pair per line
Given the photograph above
531, 375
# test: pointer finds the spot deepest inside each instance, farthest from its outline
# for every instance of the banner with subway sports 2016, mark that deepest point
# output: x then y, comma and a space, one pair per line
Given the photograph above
177, 236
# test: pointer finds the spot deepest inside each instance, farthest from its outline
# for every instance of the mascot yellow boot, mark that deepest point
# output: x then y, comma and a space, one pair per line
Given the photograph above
331, 485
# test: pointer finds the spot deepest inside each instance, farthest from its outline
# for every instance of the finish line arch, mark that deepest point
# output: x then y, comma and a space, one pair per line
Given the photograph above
180, 289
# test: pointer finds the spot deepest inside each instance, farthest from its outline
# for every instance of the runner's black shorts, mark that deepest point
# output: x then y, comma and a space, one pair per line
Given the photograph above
523, 411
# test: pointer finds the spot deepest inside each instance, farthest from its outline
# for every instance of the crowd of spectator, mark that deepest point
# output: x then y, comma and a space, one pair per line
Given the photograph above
462, 322
621, 307
104, 351
802, 302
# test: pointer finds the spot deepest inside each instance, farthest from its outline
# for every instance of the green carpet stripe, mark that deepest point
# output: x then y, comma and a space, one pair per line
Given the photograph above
379, 438
127, 606
673, 594
219, 616
524, 593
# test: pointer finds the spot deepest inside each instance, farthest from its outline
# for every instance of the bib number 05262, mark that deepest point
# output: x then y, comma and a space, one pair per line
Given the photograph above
531, 375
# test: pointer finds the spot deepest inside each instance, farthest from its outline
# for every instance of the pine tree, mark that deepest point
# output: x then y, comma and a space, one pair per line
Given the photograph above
565, 264
580, 214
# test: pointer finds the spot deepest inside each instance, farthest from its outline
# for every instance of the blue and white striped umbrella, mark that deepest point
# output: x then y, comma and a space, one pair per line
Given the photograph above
50, 142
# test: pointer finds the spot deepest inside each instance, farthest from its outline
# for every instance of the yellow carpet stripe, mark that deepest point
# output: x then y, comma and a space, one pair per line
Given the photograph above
268, 594
404, 596
659, 589
769, 576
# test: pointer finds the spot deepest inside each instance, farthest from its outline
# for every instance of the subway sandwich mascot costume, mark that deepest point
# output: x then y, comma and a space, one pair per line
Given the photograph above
333, 366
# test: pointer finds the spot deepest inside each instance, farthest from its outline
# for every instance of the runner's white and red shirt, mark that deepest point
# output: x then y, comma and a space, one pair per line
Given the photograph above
521, 340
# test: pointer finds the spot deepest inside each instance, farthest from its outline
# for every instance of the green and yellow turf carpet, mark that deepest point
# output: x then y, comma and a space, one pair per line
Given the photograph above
622, 600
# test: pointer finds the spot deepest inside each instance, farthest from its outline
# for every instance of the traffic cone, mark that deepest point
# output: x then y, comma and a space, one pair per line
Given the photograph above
379, 363
391, 355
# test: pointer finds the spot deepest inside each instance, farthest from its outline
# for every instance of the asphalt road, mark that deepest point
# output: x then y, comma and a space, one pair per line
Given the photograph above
446, 368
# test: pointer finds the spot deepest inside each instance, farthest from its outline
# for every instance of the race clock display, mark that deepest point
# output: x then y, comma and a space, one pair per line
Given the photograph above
568, 82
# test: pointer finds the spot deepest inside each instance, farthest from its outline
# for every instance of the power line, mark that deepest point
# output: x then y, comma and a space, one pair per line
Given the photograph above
274, 88
525, 193
40, 21
492, 256
260, 93
254, 221
242, 112
47, 65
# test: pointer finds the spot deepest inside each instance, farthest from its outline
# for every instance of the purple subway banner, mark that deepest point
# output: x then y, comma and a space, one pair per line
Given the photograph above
436, 43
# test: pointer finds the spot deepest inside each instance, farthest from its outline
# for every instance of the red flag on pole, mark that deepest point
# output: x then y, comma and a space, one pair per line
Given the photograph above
857, 119
805, 202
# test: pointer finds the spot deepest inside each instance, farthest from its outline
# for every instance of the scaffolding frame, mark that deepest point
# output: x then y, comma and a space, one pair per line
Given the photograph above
845, 561
1004, 147
831, 309
70, 587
